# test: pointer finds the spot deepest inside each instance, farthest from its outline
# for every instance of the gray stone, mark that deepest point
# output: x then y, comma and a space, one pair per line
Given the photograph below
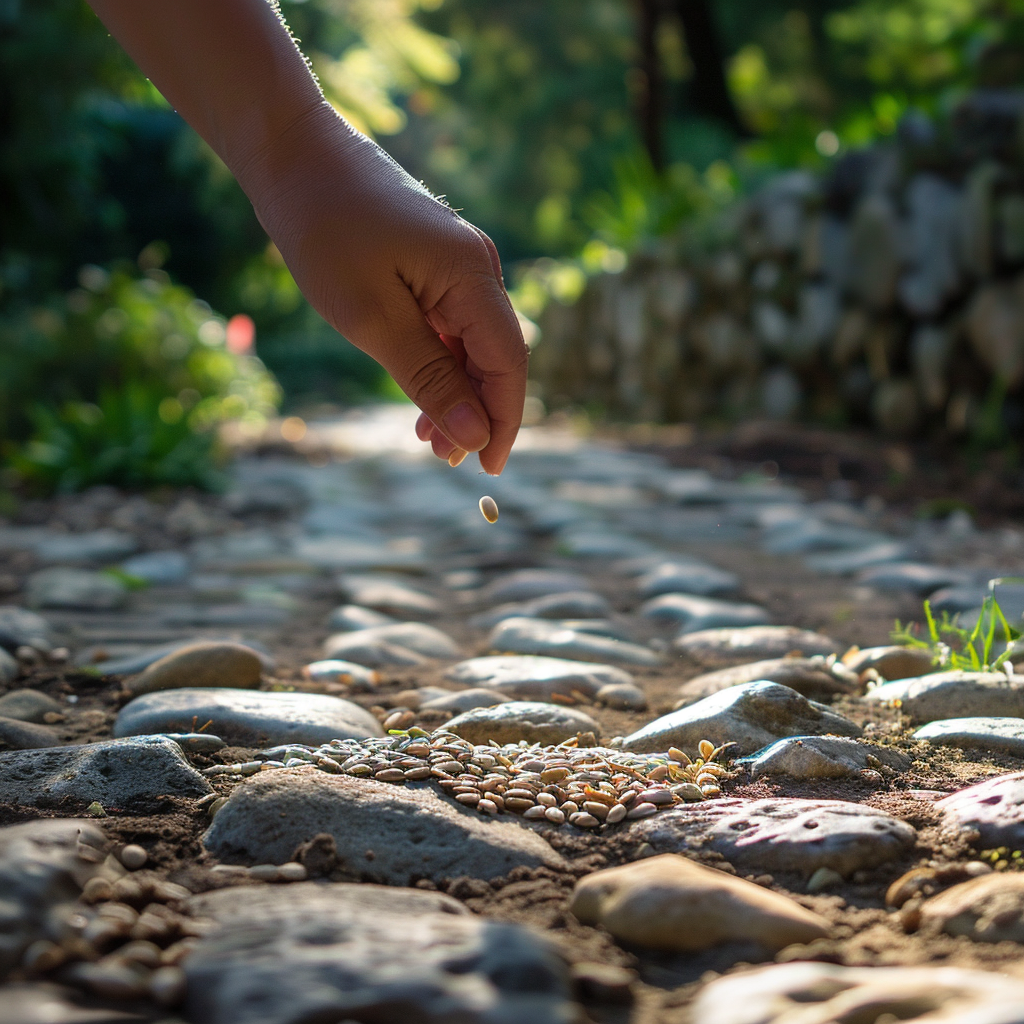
528, 677
127, 773
957, 599
781, 393
207, 663
573, 604
388, 595
163, 568
19, 735
781, 834
352, 554
813, 677
409, 832
718, 648
130, 664
995, 808
994, 329
348, 618
252, 616
678, 577
807, 535
876, 248
404, 643
517, 720
21, 628
934, 208
28, 705
248, 717
8, 668
320, 952
577, 542
846, 562
539, 636
697, 613
822, 757
750, 715
816, 993
96, 546
993, 735
526, 584
466, 700
41, 874
914, 577
955, 694
75, 589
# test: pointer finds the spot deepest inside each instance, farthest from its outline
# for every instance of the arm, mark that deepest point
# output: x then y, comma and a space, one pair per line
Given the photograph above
397, 272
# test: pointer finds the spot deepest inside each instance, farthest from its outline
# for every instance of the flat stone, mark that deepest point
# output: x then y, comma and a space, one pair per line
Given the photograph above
28, 705
529, 677
717, 648
750, 715
573, 604
322, 952
203, 664
9, 668
995, 735
892, 662
816, 993
163, 568
955, 694
126, 773
957, 599
808, 535
75, 589
622, 697
348, 618
601, 543
847, 562
517, 720
21, 628
390, 596
409, 832
911, 577
248, 718
253, 616
686, 578
985, 909
822, 757
697, 613
538, 636
813, 677
404, 643
19, 735
352, 554
526, 584
781, 834
41, 874
95, 546
130, 664
669, 902
465, 700
995, 808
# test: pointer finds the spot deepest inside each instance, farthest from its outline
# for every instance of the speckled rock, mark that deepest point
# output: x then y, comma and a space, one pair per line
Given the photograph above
823, 757
669, 902
517, 720
203, 664
718, 648
986, 909
955, 695
995, 808
813, 677
995, 735
538, 636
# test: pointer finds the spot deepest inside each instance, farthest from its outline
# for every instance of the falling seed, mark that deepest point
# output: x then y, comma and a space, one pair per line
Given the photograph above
489, 508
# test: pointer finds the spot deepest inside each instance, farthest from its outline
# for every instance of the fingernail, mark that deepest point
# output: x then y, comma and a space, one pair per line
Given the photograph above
456, 457
465, 428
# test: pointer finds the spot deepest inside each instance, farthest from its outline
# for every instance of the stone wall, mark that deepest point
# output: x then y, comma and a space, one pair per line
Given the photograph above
890, 291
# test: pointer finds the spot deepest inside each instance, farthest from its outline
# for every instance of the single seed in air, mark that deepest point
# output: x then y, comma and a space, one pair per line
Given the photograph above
489, 508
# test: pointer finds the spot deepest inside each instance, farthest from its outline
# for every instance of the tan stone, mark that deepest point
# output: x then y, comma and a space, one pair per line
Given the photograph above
986, 909
669, 902
201, 664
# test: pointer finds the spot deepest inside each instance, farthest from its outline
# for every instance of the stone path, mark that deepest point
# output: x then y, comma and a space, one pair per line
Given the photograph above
334, 747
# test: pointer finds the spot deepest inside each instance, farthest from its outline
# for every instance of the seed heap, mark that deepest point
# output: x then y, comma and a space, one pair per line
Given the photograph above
584, 786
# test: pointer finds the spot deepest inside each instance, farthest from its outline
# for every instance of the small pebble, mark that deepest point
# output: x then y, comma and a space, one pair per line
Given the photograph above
133, 857
292, 871
489, 508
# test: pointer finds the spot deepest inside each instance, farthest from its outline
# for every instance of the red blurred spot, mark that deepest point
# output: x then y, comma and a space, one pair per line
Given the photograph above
240, 334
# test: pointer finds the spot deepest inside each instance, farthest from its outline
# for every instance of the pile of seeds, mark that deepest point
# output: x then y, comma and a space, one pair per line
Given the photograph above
585, 786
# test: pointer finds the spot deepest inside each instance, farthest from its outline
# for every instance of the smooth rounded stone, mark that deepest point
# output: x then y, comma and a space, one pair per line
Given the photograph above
781, 834
353, 553
116, 773
891, 663
813, 677
9, 668
29, 705
16, 734
995, 735
517, 720
530, 677
604, 543
994, 808
410, 832
686, 578
750, 715
955, 694
808, 534
348, 618
387, 595
669, 902
913, 577
573, 604
196, 742
248, 718
986, 909
163, 568
816, 993
41, 874
76, 589
404, 643
622, 697
208, 663
131, 664
846, 563
95, 546
250, 616
538, 636
957, 599
21, 628
526, 584
718, 648
698, 613
465, 700
822, 757
339, 952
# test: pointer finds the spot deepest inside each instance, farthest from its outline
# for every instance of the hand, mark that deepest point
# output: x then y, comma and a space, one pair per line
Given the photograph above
401, 276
